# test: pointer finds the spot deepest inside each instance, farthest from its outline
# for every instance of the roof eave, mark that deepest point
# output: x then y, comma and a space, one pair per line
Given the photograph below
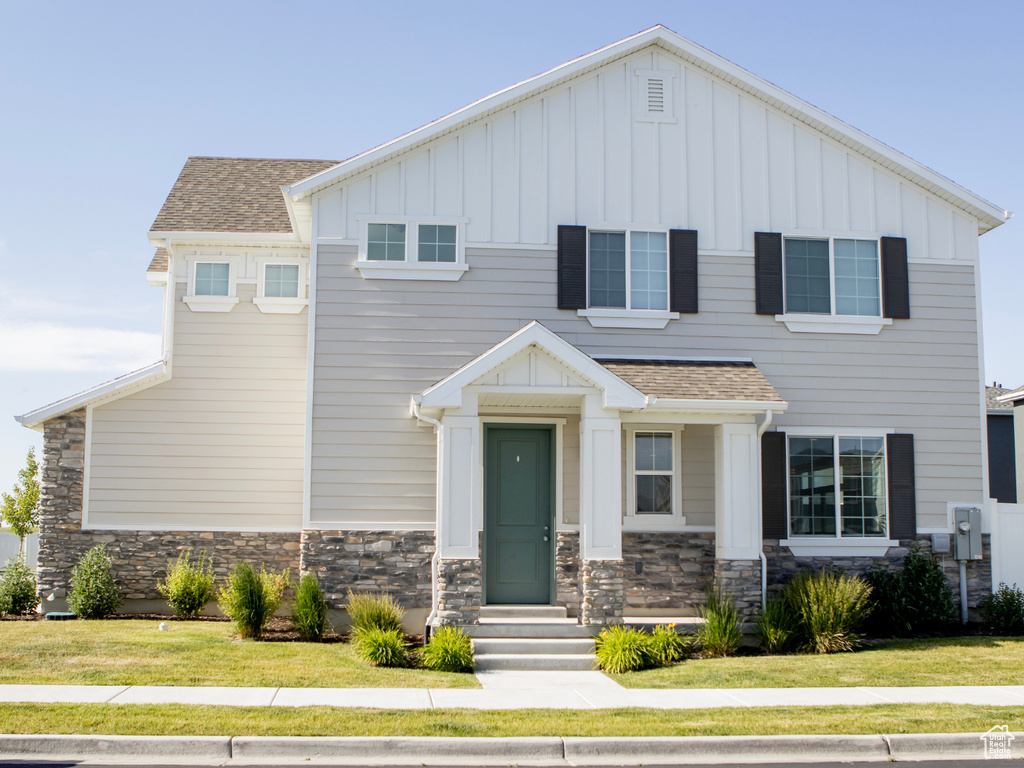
744, 407
159, 238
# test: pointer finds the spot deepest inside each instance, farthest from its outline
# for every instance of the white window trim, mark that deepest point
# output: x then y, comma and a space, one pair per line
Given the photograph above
281, 305
212, 303
818, 322
411, 268
838, 545
648, 522
627, 317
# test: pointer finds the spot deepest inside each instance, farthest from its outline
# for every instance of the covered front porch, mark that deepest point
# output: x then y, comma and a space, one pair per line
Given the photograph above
609, 486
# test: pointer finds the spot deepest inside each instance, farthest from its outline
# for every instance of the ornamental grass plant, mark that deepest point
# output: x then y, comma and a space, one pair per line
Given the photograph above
449, 650
188, 586
619, 649
251, 598
382, 647
309, 611
374, 611
830, 608
720, 633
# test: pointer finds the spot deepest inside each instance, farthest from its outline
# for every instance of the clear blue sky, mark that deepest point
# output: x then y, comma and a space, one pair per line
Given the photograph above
101, 102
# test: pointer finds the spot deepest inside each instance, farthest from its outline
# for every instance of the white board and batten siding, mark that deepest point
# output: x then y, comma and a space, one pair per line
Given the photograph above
728, 165
220, 445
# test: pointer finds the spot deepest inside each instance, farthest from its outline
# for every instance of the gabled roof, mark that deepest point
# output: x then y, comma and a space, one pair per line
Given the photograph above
989, 216
233, 194
159, 262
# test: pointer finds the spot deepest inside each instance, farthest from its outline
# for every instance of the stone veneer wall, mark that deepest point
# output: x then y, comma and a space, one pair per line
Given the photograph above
140, 557
459, 591
397, 562
741, 580
602, 592
676, 568
567, 572
782, 565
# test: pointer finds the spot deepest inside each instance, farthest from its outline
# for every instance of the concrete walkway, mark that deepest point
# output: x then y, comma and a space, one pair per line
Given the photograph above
516, 690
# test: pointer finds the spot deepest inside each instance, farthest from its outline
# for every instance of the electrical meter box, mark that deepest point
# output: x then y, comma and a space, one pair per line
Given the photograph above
967, 533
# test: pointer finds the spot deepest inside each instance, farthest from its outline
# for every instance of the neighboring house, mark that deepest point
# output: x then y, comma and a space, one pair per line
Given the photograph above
1015, 400
639, 325
1002, 454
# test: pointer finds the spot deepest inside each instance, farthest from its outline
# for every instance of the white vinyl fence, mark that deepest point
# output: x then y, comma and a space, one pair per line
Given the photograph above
1007, 544
9, 548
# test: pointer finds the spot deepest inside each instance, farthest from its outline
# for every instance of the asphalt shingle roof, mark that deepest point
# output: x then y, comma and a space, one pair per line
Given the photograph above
232, 194
991, 393
159, 262
695, 380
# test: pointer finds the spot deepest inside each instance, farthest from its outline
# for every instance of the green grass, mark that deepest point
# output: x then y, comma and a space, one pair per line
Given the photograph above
135, 652
933, 661
180, 720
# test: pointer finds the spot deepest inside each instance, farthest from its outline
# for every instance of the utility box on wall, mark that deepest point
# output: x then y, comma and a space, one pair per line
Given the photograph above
967, 533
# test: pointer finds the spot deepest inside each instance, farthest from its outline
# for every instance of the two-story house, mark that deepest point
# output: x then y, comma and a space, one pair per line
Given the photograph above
639, 325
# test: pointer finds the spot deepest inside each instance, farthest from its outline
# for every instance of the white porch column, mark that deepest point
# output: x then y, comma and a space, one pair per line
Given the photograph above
737, 492
600, 482
459, 474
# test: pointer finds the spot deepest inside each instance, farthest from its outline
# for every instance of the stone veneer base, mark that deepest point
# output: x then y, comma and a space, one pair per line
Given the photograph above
602, 592
459, 591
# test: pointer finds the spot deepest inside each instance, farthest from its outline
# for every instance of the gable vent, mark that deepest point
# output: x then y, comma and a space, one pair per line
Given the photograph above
655, 96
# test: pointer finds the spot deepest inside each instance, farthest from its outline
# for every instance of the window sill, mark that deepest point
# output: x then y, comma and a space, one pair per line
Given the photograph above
403, 270
273, 305
210, 303
628, 318
653, 522
810, 323
823, 546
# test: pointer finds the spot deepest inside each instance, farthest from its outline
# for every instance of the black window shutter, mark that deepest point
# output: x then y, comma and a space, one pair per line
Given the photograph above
895, 278
902, 493
768, 273
682, 246
773, 485
572, 267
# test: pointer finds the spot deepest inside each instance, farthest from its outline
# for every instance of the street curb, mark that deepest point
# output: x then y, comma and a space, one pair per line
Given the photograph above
921, 745
688, 749
117, 746
387, 747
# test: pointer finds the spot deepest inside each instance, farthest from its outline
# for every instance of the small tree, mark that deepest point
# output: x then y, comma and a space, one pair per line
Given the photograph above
20, 510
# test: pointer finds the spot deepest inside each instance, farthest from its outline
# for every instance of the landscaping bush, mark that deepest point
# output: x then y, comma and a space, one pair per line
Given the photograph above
623, 650
188, 586
719, 635
251, 598
667, 646
309, 612
916, 599
776, 629
449, 650
18, 588
830, 607
382, 647
374, 611
1003, 610
94, 595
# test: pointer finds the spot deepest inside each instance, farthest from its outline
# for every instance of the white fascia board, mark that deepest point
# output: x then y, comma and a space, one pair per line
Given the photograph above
989, 215
447, 393
156, 278
157, 239
104, 393
744, 407
1011, 397
302, 233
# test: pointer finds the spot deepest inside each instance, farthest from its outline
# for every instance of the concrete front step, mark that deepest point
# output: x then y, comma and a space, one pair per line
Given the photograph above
550, 630
533, 645
516, 612
568, 662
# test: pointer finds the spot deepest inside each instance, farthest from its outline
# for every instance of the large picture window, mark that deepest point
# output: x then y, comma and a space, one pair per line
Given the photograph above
832, 276
837, 486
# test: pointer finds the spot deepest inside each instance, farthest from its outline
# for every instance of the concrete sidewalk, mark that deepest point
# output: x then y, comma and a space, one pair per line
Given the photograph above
516, 690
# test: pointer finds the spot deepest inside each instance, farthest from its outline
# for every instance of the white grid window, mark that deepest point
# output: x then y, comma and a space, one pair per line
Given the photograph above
212, 279
653, 470
628, 270
385, 242
281, 281
832, 276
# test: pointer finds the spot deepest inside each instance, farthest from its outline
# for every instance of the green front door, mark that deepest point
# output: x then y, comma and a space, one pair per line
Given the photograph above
518, 515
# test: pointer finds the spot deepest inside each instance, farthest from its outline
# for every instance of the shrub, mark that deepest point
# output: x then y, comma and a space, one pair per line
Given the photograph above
449, 650
623, 650
667, 646
830, 608
18, 588
374, 611
94, 595
251, 598
776, 629
309, 612
719, 635
382, 647
1003, 610
188, 586
916, 599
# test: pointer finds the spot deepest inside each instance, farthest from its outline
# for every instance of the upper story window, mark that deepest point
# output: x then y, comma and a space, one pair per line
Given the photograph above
837, 486
212, 279
653, 493
629, 270
832, 276
281, 281
281, 285
412, 251
211, 285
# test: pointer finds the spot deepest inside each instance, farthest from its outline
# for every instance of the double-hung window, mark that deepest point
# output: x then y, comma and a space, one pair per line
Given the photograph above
412, 251
653, 493
628, 270
832, 276
837, 486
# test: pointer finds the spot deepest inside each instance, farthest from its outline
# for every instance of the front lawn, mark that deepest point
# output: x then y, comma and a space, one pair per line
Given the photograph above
136, 652
181, 720
931, 661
